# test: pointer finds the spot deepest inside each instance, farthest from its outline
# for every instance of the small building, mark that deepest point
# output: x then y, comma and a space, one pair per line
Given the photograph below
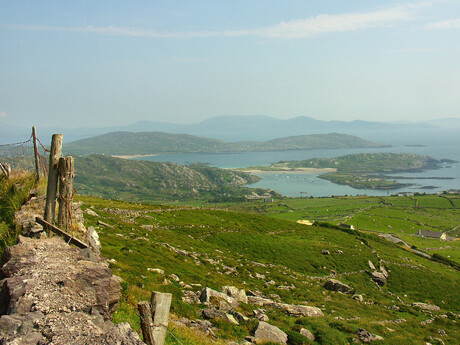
431, 234
346, 226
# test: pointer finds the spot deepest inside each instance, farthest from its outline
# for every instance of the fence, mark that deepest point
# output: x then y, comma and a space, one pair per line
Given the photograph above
29, 155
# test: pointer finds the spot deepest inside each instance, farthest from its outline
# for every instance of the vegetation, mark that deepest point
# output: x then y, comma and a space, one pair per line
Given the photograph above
148, 143
216, 248
13, 193
359, 170
157, 181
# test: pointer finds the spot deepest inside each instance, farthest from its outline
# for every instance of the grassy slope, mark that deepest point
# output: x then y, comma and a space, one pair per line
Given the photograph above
129, 143
401, 216
157, 181
290, 253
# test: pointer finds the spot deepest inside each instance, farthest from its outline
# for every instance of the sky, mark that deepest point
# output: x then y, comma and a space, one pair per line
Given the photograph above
112, 62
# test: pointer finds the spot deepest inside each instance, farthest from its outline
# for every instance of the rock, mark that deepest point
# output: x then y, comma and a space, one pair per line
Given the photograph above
237, 294
336, 285
147, 227
384, 271
156, 270
325, 252
367, 337
260, 301
122, 334
426, 306
299, 310
379, 278
260, 276
208, 293
306, 333
358, 298
371, 265
268, 333
90, 212
190, 297
338, 251
99, 222
93, 239
260, 315
174, 277
238, 316
213, 313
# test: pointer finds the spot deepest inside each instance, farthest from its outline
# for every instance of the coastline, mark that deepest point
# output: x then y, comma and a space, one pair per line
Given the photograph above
134, 156
291, 171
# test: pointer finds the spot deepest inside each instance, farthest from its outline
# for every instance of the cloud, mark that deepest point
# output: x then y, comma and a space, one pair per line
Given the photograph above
2, 114
298, 28
445, 24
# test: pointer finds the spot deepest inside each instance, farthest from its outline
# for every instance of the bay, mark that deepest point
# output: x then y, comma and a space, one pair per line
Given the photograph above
308, 184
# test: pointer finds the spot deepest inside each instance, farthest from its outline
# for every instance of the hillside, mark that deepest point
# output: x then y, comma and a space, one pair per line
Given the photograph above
282, 267
156, 181
145, 143
367, 170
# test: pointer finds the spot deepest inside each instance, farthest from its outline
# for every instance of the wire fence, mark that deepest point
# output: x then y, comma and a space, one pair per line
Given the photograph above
21, 156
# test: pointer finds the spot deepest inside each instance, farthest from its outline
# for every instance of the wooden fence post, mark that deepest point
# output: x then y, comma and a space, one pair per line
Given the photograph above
55, 154
146, 321
37, 164
160, 302
154, 321
66, 175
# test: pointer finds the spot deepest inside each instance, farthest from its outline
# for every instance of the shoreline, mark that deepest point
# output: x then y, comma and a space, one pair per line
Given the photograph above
134, 156
289, 171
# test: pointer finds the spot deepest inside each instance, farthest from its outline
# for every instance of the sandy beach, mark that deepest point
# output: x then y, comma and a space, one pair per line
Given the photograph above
292, 171
134, 156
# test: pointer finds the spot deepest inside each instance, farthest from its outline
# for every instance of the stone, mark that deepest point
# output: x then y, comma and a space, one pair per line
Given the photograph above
260, 301
379, 278
358, 298
174, 277
93, 239
90, 212
306, 333
371, 265
213, 313
156, 270
426, 306
99, 222
299, 310
260, 315
325, 252
336, 285
268, 333
367, 337
208, 293
237, 294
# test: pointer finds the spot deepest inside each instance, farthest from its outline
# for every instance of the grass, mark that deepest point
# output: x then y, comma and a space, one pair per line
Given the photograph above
222, 247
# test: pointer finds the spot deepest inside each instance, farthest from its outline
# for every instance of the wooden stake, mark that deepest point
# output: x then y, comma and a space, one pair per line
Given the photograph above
66, 175
55, 154
146, 321
68, 238
161, 302
37, 166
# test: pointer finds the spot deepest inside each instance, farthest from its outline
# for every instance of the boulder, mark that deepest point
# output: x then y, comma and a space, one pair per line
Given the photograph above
265, 333
426, 306
379, 278
325, 252
260, 315
367, 337
336, 285
358, 298
237, 294
260, 301
371, 265
207, 294
213, 313
306, 333
299, 310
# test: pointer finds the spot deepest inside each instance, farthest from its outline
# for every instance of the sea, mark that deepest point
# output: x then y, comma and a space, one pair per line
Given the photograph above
308, 184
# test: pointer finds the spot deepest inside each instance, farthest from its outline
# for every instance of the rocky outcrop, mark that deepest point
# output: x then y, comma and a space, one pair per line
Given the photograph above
336, 285
265, 333
367, 337
426, 306
59, 294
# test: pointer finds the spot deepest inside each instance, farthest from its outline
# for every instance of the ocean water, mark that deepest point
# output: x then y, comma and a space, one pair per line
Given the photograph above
308, 184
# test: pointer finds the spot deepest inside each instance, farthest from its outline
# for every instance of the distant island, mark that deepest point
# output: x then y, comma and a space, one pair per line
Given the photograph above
128, 144
363, 170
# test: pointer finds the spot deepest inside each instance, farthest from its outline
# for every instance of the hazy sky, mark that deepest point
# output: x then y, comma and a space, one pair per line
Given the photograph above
112, 62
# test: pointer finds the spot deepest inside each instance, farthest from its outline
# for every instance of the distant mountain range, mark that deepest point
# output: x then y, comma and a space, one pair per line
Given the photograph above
260, 128
145, 143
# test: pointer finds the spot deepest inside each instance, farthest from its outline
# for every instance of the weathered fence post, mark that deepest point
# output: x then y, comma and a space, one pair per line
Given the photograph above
154, 322
66, 175
37, 163
146, 321
161, 302
55, 154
